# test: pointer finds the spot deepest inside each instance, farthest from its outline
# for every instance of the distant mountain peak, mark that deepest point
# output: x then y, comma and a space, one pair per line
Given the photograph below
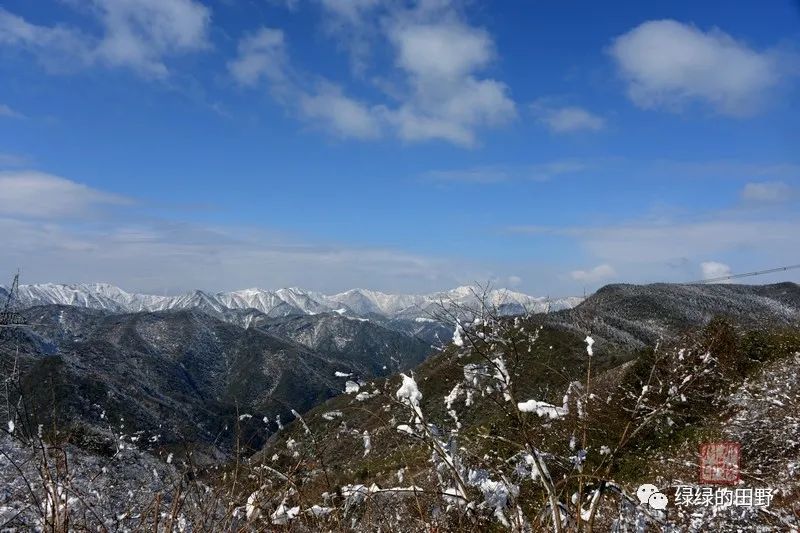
286, 301
465, 290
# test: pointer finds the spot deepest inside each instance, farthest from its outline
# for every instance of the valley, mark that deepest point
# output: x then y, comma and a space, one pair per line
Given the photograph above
241, 389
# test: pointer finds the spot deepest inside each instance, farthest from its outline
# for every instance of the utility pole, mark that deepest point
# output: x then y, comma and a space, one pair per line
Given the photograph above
9, 317
12, 321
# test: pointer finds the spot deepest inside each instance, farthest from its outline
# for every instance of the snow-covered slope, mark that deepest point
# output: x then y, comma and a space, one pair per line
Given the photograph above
364, 302
92, 295
286, 302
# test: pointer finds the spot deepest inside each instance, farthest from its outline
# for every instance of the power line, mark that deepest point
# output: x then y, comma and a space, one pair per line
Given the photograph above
707, 280
746, 274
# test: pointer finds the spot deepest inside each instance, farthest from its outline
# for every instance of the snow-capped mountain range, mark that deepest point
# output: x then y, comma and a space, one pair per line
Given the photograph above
285, 302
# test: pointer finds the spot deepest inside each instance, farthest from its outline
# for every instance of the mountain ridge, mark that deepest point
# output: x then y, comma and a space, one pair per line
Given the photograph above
285, 301
212, 391
188, 370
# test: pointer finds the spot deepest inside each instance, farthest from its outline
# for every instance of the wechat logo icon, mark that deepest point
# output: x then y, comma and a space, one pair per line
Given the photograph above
649, 495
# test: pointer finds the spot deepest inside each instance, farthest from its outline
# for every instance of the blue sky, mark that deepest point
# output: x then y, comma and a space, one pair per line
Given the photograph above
164, 145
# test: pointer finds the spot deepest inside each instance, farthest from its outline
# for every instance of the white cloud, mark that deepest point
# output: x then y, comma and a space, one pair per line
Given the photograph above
593, 275
140, 33
454, 116
668, 64
441, 51
713, 269
40, 195
7, 112
351, 11
13, 160
672, 249
151, 255
260, 55
669, 241
502, 173
767, 192
58, 48
548, 171
513, 281
438, 92
726, 169
179, 257
59, 230
291, 5
136, 34
347, 23
447, 99
483, 175
567, 119
344, 116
